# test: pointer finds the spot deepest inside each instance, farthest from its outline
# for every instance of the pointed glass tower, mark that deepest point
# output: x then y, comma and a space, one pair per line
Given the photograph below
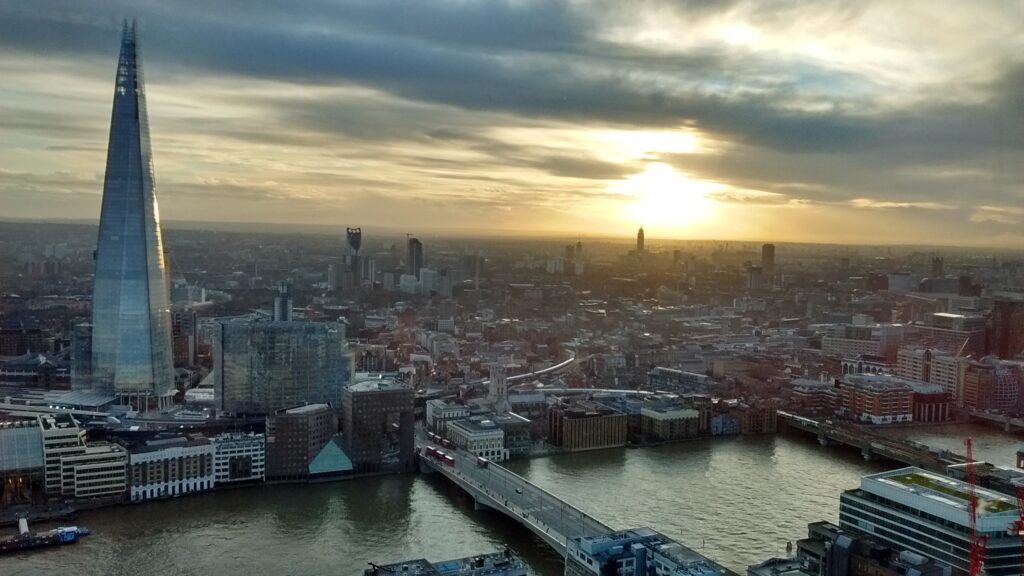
131, 338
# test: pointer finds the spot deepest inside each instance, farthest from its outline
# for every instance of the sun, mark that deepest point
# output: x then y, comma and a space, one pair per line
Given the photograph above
665, 199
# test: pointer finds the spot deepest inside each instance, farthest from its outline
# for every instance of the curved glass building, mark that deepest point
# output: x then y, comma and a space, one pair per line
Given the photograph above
131, 338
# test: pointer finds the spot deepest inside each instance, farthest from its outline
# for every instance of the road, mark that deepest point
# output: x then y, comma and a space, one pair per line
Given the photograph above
494, 486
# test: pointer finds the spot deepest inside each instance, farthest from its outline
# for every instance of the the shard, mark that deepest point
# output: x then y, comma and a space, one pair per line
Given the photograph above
131, 333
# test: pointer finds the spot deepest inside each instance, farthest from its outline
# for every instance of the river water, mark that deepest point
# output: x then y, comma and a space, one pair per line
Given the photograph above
738, 500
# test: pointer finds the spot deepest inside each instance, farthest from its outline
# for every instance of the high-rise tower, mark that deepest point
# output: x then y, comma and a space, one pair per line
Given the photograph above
131, 330
414, 257
640, 240
768, 262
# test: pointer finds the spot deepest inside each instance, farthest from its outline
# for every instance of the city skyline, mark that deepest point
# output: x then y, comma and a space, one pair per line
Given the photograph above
811, 124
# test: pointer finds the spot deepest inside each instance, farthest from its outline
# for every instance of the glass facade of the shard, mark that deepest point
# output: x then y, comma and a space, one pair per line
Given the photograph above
131, 336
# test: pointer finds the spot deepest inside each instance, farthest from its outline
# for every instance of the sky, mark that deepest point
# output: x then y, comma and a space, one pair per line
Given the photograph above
873, 122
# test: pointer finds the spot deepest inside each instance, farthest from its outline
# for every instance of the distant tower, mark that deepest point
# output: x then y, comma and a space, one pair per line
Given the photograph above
283, 303
579, 248
332, 278
355, 239
414, 258
131, 314
497, 387
640, 239
938, 268
354, 270
768, 262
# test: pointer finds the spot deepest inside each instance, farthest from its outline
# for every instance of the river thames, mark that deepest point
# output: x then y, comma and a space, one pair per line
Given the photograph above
738, 500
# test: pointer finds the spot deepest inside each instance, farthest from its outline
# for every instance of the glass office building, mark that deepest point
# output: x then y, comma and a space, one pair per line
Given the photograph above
131, 336
260, 366
923, 512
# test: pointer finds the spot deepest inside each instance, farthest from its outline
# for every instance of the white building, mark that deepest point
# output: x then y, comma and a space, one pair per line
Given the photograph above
73, 468
927, 513
99, 469
440, 412
239, 457
481, 437
934, 367
165, 467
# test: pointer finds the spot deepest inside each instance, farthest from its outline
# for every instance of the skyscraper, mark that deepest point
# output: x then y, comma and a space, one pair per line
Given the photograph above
353, 259
414, 259
768, 262
640, 240
283, 303
1006, 337
131, 341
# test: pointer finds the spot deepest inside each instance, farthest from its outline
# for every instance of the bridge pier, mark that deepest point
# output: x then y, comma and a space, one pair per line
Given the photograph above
824, 440
478, 505
866, 452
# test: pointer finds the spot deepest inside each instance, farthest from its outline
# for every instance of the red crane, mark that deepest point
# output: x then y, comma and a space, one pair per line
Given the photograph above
978, 541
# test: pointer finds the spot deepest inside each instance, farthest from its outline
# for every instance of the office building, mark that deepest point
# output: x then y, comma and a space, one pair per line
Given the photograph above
853, 341
585, 425
876, 398
81, 356
377, 422
414, 258
295, 437
131, 335
680, 381
992, 384
480, 436
1007, 326
517, 430
640, 240
768, 263
635, 552
934, 367
829, 550
669, 424
957, 334
239, 458
332, 278
171, 465
283, 303
17, 339
98, 470
184, 335
75, 468
755, 278
21, 463
261, 366
926, 513
439, 413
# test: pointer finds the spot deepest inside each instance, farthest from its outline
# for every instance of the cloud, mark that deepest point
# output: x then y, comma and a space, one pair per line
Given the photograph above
792, 104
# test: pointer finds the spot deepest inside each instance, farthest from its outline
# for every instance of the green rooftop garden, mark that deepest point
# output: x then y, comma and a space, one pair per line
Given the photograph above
992, 506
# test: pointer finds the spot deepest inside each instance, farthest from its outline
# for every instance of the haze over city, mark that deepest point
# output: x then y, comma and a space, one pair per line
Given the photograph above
791, 121
465, 288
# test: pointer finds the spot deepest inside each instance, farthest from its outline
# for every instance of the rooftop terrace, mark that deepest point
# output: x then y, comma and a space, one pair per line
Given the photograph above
946, 490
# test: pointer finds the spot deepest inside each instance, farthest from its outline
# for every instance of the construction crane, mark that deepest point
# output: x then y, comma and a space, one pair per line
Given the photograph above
978, 542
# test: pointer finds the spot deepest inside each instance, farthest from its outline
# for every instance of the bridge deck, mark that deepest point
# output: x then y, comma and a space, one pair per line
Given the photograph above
552, 519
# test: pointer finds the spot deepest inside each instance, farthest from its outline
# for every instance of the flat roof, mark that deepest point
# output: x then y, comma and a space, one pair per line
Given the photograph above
382, 385
476, 426
57, 421
308, 408
943, 490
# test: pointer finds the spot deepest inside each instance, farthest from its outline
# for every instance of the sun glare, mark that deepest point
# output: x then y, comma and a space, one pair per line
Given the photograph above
664, 198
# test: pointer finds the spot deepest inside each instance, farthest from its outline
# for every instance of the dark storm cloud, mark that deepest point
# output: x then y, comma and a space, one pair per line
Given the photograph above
446, 73
475, 74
